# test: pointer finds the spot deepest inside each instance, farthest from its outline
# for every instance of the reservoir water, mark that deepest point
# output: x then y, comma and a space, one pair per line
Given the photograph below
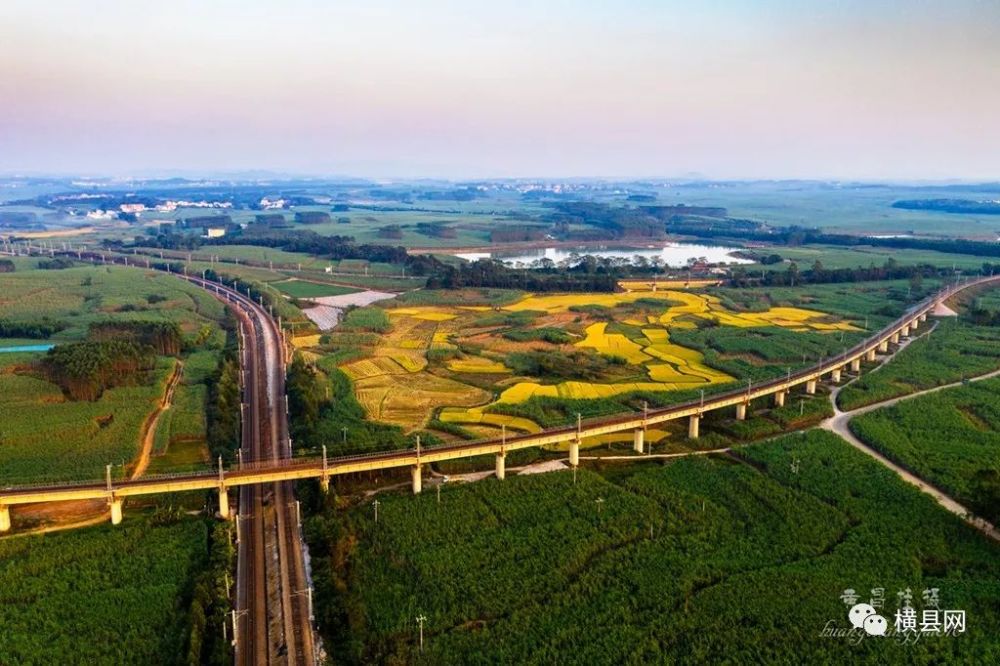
26, 348
671, 254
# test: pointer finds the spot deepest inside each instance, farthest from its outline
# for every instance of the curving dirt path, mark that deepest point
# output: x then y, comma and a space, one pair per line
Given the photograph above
85, 513
141, 464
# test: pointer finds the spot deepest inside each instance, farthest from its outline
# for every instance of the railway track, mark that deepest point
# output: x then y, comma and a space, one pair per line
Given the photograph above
272, 601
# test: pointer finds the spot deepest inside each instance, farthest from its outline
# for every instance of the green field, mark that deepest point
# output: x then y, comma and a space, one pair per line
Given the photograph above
46, 436
100, 595
839, 207
696, 561
832, 257
96, 293
303, 289
950, 438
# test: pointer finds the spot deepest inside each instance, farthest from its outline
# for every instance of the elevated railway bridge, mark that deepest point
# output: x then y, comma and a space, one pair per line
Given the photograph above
283, 469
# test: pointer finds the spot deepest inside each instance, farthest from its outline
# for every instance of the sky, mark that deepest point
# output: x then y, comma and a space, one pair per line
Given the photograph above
873, 89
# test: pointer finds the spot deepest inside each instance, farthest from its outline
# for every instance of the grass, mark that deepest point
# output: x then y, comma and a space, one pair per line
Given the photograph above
746, 560
304, 289
833, 257
87, 294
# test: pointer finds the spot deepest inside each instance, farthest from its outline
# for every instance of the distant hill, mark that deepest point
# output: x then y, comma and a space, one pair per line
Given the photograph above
967, 206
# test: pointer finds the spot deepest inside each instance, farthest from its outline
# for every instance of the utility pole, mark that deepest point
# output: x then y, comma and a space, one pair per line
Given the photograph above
375, 504
420, 618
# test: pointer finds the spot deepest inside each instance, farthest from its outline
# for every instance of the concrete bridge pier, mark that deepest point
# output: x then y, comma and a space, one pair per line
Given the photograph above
224, 502
870, 355
324, 484
779, 399
883, 346
835, 375
741, 411
923, 317
905, 332
811, 387
915, 323
415, 474
574, 453
856, 365
501, 466
638, 440
895, 338
4, 518
693, 424
116, 510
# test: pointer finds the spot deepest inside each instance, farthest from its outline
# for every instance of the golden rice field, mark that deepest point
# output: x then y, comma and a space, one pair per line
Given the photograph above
396, 383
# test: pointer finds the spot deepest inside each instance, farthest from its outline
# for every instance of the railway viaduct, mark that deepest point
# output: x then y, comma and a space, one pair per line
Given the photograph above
222, 479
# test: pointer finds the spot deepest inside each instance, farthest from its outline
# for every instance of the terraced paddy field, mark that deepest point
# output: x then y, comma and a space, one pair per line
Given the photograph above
537, 359
719, 559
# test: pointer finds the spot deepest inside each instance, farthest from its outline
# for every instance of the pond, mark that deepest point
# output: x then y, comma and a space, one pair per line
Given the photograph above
671, 254
26, 348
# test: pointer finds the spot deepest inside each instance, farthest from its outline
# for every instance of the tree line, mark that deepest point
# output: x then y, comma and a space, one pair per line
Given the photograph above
163, 337
818, 274
36, 329
493, 273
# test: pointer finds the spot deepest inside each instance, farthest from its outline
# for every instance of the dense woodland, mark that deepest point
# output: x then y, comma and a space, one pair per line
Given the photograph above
84, 370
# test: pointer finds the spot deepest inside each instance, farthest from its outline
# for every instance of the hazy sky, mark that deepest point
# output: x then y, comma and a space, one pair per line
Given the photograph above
806, 88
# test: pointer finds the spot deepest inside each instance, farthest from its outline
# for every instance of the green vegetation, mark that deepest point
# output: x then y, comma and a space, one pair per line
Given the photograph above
111, 595
700, 560
949, 438
366, 319
37, 329
955, 349
558, 365
556, 336
495, 297
324, 410
84, 370
44, 436
305, 289
67, 414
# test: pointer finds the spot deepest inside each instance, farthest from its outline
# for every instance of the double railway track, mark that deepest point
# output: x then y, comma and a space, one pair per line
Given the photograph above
273, 614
